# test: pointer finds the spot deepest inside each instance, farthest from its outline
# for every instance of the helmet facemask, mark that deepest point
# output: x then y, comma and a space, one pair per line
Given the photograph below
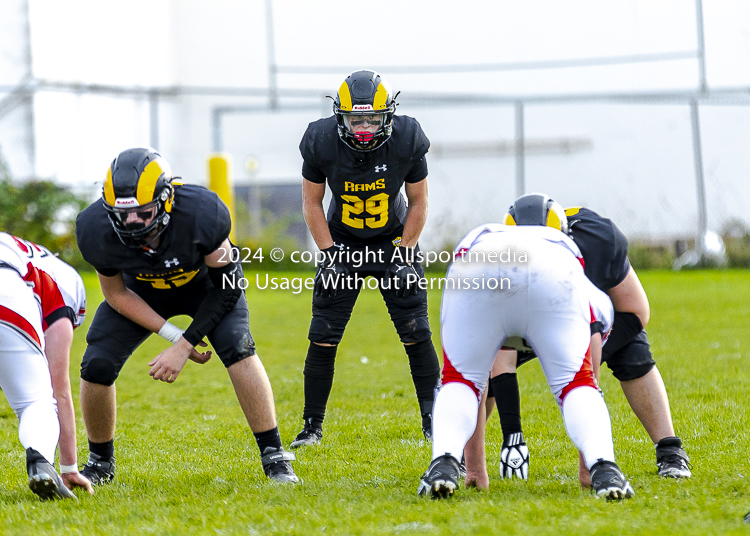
138, 196
139, 226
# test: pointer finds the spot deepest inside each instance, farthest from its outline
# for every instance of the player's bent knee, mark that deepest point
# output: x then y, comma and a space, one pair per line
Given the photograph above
100, 371
244, 348
415, 330
627, 371
323, 332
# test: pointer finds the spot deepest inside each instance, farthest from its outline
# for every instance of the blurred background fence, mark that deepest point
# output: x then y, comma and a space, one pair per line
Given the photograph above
638, 110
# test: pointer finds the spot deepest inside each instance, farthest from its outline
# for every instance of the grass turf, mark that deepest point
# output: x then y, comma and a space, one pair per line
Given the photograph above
187, 463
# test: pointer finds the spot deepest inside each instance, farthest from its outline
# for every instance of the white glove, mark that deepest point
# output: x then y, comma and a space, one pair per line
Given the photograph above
514, 457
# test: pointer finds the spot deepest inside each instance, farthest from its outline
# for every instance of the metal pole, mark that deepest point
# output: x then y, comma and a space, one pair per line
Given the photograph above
520, 156
272, 68
153, 115
702, 83
700, 246
29, 99
216, 120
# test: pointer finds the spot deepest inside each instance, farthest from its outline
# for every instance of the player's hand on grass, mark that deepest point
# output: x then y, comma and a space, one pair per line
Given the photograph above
514, 457
477, 479
167, 365
77, 480
584, 475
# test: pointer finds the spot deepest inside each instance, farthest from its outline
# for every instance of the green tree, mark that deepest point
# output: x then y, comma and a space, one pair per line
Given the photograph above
42, 212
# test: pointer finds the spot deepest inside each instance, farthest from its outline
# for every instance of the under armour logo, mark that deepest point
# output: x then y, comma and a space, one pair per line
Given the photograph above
173, 262
378, 169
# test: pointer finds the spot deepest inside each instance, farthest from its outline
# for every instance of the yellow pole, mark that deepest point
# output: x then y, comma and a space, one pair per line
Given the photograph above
220, 181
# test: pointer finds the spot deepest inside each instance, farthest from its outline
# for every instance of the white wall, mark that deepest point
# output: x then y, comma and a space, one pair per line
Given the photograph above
639, 169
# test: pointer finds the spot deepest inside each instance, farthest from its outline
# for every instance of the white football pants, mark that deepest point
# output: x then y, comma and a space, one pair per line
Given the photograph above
544, 300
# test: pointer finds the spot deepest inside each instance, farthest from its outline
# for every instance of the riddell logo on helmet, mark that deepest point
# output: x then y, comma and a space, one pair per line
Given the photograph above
360, 107
127, 202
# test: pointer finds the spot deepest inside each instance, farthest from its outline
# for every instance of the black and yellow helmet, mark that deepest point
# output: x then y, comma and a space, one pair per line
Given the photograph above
364, 97
537, 209
138, 195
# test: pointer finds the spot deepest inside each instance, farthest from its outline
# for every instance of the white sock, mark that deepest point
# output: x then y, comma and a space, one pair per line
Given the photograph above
588, 425
39, 429
454, 419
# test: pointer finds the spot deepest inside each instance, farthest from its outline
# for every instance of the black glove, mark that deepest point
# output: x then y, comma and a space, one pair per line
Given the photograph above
404, 277
331, 274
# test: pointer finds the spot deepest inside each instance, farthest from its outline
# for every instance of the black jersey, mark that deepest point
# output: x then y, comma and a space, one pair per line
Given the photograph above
199, 223
367, 205
603, 246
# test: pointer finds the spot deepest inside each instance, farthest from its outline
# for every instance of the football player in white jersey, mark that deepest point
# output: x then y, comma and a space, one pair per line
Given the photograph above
42, 300
523, 280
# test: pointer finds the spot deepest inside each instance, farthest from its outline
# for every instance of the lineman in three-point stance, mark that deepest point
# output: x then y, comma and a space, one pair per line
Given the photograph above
549, 302
42, 300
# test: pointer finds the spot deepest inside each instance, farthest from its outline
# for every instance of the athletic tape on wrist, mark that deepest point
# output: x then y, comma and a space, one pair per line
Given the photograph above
69, 468
170, 332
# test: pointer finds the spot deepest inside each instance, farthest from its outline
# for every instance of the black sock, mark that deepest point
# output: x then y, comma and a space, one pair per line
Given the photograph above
105, 450
425, 369
319, 368
508, 398
269, 438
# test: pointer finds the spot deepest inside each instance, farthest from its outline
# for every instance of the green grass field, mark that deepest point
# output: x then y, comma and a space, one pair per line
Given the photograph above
187, 463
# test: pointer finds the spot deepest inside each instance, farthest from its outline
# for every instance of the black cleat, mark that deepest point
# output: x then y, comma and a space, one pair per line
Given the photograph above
43, 479
98, 470
441, 478
277, 467
310, 435
609, 483
671, 460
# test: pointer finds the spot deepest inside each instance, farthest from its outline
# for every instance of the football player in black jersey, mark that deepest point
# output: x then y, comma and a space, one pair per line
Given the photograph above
627, 353
365, 154
161, 249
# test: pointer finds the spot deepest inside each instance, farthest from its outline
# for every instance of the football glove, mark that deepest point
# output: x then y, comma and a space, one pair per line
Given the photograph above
404, 276
331, 274
514, 457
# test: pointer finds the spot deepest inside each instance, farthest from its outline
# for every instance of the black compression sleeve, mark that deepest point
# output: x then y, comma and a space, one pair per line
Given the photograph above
625, 327
218, 302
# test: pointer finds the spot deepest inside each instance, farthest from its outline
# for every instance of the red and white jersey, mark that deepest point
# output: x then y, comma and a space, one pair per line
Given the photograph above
600, 304
57, 285
547, 233
20, 308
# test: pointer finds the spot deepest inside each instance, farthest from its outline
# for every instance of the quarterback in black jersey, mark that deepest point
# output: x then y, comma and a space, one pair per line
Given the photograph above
161, 249
366, 155
627, 352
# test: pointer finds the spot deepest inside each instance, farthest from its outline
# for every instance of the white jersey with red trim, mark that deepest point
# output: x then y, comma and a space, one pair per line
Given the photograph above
63, 279
20, 308
526, 282
535, 231
58, 286
601, 306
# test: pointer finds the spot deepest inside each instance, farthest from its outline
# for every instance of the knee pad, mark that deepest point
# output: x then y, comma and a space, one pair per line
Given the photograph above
321, 331
100, 371
632, 361
414, 330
